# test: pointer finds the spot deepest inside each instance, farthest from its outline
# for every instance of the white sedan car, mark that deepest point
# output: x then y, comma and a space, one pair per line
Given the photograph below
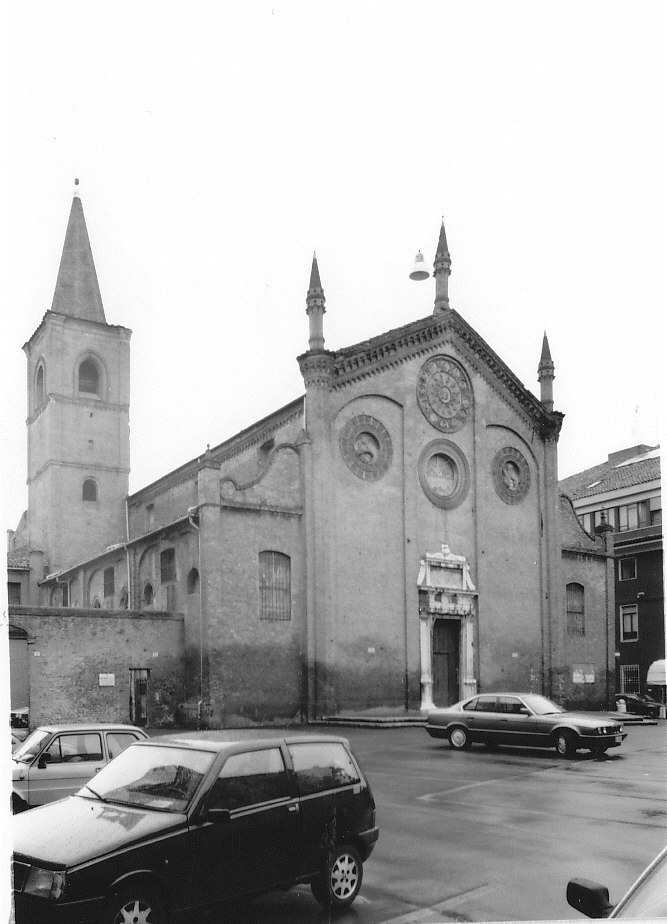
57, 760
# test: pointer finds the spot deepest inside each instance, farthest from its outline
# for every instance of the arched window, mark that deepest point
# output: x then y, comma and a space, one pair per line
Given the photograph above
89, 378
123, 599
576, 624
275, 591
147, 596
96, 604
89, 490
40, 388
193, 581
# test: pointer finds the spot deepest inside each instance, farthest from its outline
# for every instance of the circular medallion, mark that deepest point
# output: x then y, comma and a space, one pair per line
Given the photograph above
511, 475
366, 447
444, 394
444, 474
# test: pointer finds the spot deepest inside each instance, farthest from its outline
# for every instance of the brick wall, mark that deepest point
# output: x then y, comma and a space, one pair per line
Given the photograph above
68, 649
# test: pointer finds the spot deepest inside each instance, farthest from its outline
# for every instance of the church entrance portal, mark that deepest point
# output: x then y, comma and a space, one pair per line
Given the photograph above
447, 603
446, 661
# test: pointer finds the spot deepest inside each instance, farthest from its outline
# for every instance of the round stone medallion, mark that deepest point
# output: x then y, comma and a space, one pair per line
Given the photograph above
444, 394
444, 474
511, 475
366, 447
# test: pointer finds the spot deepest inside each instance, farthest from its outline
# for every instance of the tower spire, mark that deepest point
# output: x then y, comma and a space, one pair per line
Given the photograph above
442, 268
546, 375
315, 308
77, 292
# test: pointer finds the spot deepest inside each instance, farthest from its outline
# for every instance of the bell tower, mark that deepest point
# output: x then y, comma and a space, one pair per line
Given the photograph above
78, 414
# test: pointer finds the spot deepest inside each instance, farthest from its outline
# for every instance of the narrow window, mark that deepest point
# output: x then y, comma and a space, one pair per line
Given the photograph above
89, 378
168, 566
40, 391
275, 591
109, 588
13, 592
123, 599
627, 569
147, 596
89, 490
193, 581
575, 609
150, 517
630, 623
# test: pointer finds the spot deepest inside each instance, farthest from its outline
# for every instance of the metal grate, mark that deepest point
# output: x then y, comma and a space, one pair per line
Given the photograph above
629, 678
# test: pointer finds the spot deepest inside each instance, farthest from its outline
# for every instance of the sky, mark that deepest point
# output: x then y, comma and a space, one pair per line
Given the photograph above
219, 144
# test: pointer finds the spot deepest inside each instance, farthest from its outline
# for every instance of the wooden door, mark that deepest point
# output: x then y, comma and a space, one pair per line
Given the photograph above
446, 662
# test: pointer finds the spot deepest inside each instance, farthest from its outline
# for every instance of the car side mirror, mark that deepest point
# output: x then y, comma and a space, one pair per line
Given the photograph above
589, 898
44, 759
524, 710
219, 815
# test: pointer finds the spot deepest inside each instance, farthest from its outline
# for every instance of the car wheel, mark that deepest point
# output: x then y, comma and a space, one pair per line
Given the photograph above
459, 737
565, 743
339, 884
135, 905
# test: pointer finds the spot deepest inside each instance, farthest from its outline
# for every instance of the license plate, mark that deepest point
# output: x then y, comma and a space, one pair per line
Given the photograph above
618, 739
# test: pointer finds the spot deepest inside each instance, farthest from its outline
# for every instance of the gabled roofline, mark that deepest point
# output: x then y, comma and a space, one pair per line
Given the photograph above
217, 453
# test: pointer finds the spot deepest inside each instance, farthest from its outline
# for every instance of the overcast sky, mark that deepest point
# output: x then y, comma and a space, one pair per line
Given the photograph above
219, 144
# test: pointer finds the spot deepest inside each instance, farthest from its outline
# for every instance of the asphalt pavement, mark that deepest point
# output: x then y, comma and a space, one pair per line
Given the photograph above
487, 835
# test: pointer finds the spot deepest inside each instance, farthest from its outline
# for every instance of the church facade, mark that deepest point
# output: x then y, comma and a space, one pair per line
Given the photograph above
393, 539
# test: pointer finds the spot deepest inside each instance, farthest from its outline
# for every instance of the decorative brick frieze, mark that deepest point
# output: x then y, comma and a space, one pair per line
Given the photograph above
317, 368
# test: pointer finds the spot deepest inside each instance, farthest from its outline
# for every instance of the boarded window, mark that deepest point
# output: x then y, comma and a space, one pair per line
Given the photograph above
275, 592
575, 610
109, 587
168, 566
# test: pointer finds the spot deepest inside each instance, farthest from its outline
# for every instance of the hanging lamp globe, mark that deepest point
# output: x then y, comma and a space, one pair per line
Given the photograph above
419, 270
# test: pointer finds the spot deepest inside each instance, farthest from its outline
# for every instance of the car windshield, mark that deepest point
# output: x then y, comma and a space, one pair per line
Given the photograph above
541, 705
30, 748
649, 899
154, 777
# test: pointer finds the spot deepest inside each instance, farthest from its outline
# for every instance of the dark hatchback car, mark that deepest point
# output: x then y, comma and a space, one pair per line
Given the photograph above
178, 825
526, 720
640, 704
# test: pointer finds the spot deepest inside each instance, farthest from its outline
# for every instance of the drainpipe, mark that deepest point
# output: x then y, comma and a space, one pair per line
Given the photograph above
192, 511
130, 591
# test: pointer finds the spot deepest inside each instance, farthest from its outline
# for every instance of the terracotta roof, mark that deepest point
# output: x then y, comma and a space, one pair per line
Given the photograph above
614, 474
18, 558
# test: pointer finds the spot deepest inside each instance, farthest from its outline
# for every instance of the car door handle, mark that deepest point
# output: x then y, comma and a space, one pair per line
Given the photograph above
293, 808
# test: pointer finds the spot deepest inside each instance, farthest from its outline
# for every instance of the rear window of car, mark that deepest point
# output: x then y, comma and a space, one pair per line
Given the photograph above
482, 704
321, 766
250, 779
